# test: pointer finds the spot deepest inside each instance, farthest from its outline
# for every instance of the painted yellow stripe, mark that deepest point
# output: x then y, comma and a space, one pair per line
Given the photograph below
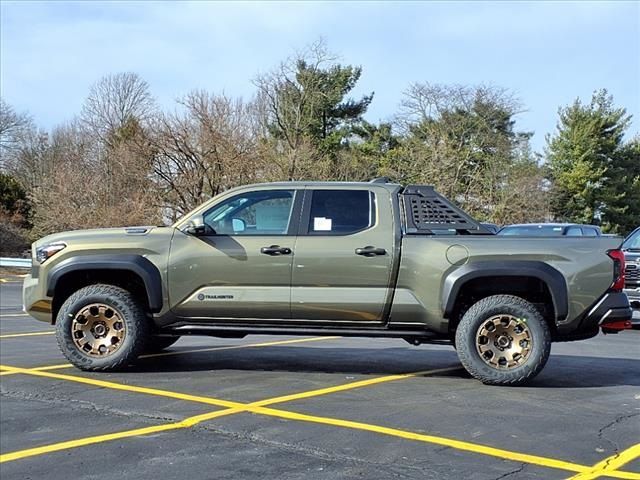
29, 334
258, 408
124, 387
196, 350
234, 347
188, 422
41, 369
609, 466
56, 447
350, 386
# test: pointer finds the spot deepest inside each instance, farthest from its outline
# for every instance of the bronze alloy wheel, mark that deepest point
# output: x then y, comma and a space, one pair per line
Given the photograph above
98, 330
504, 341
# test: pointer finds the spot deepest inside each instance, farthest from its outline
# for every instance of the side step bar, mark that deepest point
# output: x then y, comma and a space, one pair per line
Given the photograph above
412, 336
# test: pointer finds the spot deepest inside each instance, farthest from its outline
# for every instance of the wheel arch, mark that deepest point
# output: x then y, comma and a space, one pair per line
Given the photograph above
135, 271
455, 283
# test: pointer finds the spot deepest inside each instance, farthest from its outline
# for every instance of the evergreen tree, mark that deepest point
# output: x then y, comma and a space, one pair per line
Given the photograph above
585, 159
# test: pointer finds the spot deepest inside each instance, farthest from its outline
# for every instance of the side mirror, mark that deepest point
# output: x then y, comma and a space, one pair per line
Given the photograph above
238, 225
196, 226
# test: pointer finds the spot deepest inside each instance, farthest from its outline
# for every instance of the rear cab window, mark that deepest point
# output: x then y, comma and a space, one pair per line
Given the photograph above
340, 212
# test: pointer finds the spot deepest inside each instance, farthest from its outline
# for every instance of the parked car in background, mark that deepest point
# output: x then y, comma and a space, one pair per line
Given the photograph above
551, 230
631, 249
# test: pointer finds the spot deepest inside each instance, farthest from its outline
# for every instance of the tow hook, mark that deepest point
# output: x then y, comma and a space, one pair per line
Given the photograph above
615, 327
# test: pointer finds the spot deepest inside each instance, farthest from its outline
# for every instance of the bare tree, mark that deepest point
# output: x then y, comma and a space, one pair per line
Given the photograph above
114, 102
208, 146
75, 193
13, 127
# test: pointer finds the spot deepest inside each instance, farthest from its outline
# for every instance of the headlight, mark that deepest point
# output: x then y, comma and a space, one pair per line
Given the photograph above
48, 251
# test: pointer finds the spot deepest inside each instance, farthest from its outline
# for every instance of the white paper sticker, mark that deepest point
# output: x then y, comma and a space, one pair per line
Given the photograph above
321, 224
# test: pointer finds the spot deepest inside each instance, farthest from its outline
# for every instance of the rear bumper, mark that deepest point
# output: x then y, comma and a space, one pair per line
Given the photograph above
610, 313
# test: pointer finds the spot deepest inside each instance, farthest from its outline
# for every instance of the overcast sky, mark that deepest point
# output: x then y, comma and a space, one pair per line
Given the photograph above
547, 53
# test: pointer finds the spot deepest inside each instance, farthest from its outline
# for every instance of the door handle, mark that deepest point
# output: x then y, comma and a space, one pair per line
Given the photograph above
370, 251
275, 250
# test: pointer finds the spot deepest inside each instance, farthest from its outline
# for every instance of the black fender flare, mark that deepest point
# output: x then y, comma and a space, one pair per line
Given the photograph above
137, 264
554, 280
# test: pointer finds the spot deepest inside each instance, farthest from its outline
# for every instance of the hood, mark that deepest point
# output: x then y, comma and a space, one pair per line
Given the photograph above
108, 237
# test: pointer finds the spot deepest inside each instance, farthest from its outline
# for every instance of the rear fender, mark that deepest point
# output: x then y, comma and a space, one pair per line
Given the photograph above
553, 279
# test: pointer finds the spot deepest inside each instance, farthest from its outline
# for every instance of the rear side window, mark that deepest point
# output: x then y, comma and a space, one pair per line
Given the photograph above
574, 232
590, 232
340, 212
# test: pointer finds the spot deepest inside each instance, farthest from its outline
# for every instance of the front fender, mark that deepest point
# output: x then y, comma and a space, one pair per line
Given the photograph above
137, 264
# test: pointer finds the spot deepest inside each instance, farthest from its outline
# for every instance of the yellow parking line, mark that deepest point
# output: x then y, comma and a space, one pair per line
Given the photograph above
259, 408
195, 350
233, 408
81, 442
233, 347
350, 386
609, 466
29, 334
40, 369
124, 387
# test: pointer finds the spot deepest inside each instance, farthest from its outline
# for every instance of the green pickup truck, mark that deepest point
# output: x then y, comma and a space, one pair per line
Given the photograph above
306, 258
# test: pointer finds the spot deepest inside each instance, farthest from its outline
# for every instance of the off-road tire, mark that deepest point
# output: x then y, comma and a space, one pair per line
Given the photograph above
137, 327
157, 343
484, 310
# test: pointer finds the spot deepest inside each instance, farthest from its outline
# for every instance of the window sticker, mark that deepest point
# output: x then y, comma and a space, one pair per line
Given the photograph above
321, 224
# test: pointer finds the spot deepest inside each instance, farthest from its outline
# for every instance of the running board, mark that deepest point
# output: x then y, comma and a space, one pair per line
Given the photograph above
413, 336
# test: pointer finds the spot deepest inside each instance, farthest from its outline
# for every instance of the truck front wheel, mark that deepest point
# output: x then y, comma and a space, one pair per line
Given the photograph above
101, 327
503, 340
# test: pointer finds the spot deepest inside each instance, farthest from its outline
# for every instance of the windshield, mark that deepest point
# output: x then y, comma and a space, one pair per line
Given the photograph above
532, 230
633, 241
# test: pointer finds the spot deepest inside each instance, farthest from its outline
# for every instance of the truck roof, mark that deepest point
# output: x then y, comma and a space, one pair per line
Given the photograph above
303, 183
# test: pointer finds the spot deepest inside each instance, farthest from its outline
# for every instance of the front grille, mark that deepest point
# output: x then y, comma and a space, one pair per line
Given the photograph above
632, 273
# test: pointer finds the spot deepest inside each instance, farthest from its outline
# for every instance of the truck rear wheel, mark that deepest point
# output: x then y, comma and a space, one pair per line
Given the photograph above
503, 340
101, 327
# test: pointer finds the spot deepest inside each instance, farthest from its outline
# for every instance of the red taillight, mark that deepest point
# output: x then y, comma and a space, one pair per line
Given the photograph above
618, 269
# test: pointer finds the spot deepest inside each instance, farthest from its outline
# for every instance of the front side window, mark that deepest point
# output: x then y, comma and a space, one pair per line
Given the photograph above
341, 212
574, 232
265, 212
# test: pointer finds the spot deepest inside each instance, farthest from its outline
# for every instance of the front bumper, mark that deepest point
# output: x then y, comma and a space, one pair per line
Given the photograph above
35, 302
611, 312
633, 294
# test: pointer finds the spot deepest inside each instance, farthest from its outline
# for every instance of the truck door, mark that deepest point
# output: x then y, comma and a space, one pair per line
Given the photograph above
344, 255
241, 266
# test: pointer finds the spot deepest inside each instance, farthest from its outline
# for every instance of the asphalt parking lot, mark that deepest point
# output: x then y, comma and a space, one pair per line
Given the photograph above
301, 407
